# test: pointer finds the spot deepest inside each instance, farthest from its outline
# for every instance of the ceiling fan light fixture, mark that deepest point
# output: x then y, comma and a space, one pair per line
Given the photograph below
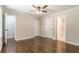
38, 12
40, 8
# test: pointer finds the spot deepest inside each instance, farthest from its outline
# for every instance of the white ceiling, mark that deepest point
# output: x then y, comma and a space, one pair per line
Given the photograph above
29, 8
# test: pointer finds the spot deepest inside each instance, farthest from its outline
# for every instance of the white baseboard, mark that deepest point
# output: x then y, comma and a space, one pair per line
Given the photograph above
10, 37
45, 36
24, 38
48, 37
72, 43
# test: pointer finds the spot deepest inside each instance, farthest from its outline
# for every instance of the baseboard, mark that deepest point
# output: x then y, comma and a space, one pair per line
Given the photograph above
10, 37
24, 38
49, 37
64, 41
72, 43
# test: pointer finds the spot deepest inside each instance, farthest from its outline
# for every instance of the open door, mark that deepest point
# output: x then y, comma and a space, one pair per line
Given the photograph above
0, 29
8, 27
4, 29
61, 33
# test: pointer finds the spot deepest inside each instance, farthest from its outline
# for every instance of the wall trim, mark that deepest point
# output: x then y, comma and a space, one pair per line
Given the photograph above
10, 37
48, 37
72, 43
24, 38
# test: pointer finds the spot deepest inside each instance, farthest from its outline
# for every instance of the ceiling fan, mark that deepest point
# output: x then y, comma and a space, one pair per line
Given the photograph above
41, 8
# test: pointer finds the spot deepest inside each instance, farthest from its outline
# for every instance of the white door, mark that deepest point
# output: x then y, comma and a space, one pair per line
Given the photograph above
10, 24
9, 27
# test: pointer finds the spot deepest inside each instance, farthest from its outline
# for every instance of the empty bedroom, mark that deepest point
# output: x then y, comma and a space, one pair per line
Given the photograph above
39, 29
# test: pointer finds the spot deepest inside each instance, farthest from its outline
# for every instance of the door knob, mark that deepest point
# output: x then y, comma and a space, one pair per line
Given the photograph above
6, 29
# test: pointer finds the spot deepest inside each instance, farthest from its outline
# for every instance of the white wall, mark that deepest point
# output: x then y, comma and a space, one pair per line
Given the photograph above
72, 22
48, 27
25, 27
36, 27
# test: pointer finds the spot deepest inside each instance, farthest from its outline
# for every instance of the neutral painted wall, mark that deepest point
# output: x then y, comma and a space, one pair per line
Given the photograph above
48, 27
47, 24
25, 27
72, 22
36, 27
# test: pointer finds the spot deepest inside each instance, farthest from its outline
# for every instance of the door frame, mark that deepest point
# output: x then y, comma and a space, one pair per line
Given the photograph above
8, 30
4, 28
61, 44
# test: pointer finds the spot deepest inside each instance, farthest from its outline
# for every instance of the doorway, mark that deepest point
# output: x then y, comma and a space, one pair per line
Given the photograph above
9, 25
61, 33
9, 33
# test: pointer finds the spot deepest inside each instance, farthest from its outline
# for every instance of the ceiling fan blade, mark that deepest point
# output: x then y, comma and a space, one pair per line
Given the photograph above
34, 6
44, 11
37, 8
45, 6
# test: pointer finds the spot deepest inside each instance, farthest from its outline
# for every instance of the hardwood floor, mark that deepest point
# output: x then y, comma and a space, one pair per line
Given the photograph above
72, 48
37, 45
4, 47
10, 47
43, 45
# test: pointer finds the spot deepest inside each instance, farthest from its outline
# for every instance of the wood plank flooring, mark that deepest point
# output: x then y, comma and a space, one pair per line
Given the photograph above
36, 45
43, 45
10, 47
